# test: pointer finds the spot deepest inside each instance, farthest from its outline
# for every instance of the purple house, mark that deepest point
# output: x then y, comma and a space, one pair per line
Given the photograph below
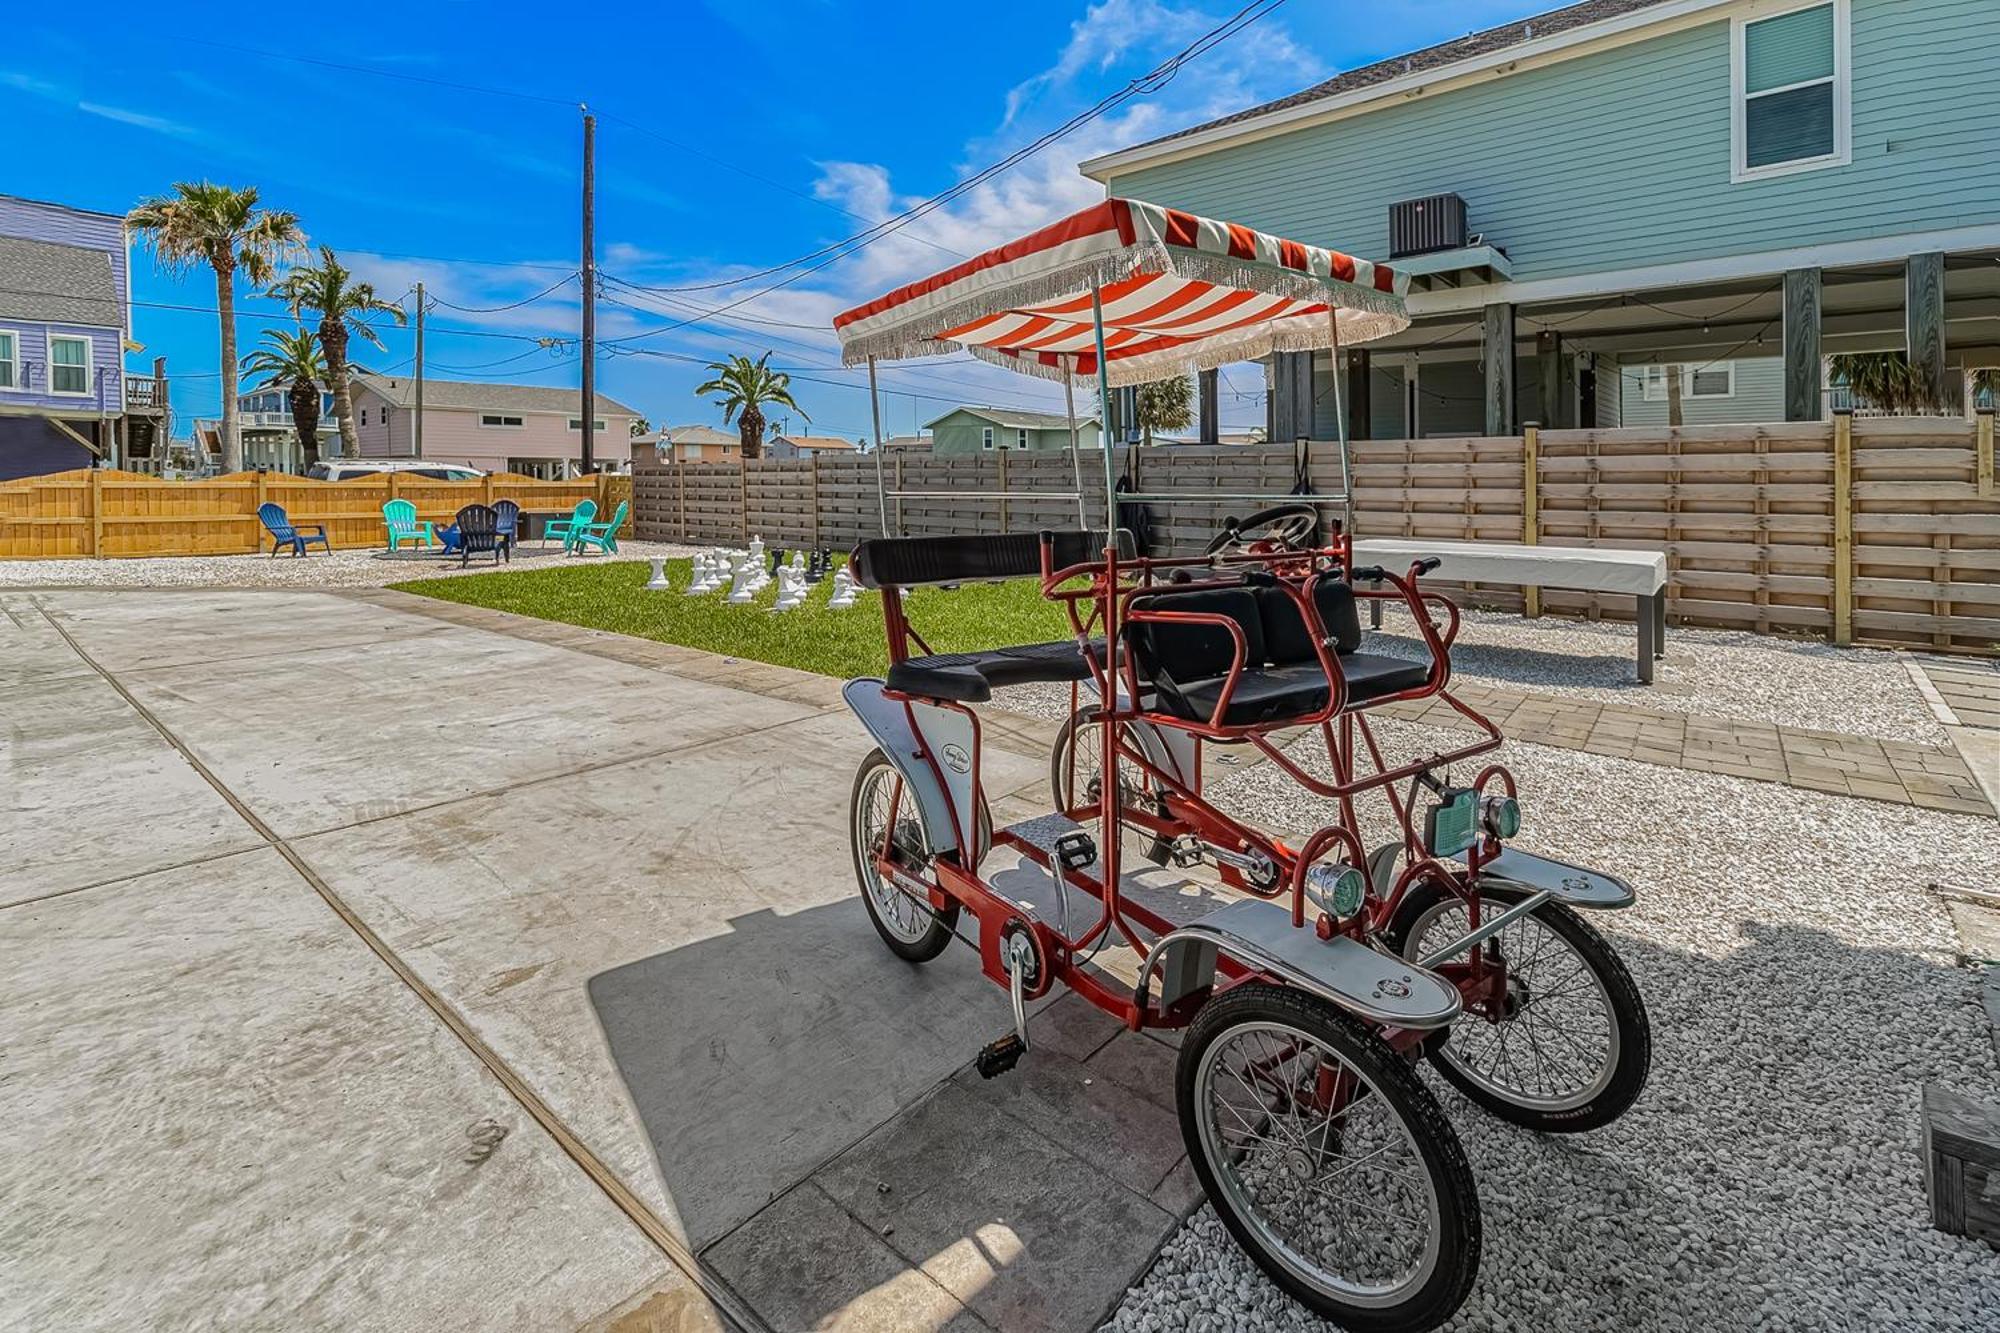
65, 315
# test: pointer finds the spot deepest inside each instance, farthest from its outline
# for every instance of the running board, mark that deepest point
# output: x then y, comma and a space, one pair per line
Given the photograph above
1377, 986
1579, 886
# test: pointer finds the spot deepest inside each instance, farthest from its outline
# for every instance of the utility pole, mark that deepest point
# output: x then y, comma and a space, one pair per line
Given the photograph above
417, 427
589, 291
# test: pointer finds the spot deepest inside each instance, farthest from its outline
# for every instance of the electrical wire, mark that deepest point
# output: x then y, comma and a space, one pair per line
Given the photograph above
558, 285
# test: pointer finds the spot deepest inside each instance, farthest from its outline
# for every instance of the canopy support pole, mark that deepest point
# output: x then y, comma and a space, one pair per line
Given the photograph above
1075, 449
1104, 427
875, 409
1340, 424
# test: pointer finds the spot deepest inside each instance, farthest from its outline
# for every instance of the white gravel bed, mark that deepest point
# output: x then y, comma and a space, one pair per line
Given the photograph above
1800, 984
370, 568
1706, 672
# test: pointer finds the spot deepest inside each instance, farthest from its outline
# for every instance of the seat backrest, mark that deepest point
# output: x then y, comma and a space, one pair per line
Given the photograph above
400, 515
476, 522
910, 562
618, 517
506, 515
1179, 654
1285, 636
585, 511
272, 515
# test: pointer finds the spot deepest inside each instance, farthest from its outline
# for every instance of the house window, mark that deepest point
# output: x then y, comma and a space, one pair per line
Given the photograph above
986, 437
364, 416
1020, 439
10, 359
1792, 98
69, 365
596, 423
1715, 379
499, 422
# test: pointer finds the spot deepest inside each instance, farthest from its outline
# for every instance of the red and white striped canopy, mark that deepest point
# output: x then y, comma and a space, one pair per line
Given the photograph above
1179, 292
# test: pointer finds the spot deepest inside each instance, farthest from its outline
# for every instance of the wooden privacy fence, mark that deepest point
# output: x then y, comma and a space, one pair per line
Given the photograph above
1881, 530
98, 512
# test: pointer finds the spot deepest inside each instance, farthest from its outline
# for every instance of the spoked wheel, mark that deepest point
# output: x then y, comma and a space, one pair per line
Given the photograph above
911, 928
1328, 1159
1076, 776
1571, 1048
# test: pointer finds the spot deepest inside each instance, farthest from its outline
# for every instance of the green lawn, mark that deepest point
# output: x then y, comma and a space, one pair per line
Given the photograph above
613, 596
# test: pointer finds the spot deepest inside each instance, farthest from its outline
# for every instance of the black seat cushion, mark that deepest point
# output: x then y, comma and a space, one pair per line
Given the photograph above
1298, 690
1168, 652
910, 562
970, 677
1285, 637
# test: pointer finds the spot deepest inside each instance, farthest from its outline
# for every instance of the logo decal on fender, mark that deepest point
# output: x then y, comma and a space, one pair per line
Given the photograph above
956, 759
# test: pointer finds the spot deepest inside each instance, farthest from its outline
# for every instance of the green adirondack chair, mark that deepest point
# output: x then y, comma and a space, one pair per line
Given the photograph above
604, 536
400, 517
567, 528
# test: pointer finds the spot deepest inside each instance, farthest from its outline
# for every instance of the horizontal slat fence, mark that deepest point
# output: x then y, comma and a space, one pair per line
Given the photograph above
104, 513
1759, 530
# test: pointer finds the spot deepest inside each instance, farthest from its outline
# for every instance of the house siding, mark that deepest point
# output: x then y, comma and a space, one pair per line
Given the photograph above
39, 221
454, 435
107, 376
1759, 396
1621, 159
960, 433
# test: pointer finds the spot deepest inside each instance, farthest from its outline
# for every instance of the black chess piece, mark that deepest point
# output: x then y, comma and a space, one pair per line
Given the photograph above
816, 565
777, 560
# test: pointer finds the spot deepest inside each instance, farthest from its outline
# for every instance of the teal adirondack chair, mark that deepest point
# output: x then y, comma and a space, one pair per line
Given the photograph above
567, 528
400, 517
604, 536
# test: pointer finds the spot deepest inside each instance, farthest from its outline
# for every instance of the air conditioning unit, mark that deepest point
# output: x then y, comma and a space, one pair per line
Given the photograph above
1424, 226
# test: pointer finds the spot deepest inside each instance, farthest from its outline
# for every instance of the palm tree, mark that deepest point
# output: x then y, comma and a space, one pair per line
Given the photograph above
746, 388
328, 288
1885, 381
221, 226
1166, 405
293, 361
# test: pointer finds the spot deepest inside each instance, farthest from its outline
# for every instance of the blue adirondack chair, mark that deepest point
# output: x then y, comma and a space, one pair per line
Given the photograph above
272, 516
566, 528
507, 522
400, 517
478, 529
604, 536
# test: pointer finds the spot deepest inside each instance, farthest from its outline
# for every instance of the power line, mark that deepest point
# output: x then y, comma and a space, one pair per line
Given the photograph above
559, 284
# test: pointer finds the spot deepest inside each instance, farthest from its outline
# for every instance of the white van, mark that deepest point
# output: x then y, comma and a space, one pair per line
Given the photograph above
347, 469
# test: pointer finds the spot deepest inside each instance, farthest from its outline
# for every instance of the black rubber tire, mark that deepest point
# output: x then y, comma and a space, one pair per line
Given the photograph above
1154, 848
937, 938
1635, 1032
1460, 1234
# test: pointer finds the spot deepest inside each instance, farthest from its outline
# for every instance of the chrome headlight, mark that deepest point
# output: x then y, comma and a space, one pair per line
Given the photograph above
1336, 888
1500, 816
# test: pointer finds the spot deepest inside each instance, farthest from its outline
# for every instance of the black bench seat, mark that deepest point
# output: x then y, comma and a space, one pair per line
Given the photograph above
970, 677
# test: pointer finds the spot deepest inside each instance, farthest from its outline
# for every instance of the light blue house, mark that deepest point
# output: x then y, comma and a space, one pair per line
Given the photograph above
65, 301
972, 430
1722, 192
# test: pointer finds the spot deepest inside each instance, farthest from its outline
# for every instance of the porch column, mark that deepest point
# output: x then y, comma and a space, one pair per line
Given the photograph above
1360, 411
1548, 376
1291, 396
1923, 319
1499, 357
1802, 349
1211, 414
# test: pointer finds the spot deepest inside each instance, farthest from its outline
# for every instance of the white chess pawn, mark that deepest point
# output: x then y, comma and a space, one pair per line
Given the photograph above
799, 561
844, 590
658, 583
791, 588
740, 589
698, 583
757, 551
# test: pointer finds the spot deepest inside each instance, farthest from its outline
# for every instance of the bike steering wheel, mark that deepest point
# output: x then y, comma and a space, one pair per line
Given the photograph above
1284, 528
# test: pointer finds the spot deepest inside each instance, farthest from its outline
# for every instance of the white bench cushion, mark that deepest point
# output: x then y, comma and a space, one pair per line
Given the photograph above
1582, 568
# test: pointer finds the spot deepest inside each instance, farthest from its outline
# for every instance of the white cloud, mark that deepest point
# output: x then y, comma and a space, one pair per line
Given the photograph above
139, 120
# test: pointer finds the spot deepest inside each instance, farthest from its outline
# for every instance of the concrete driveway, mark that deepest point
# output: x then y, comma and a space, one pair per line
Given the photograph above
370, 963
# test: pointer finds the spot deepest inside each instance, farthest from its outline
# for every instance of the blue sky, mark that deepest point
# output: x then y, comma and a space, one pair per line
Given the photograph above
733, 137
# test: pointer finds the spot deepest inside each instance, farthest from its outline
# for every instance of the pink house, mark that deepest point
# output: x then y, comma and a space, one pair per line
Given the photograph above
523, 428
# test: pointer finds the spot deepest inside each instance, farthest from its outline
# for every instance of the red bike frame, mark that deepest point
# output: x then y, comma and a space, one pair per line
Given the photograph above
1097, 597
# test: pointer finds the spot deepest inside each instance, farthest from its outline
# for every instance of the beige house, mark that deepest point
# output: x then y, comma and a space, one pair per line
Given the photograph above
807, 446
524, 428
698, 444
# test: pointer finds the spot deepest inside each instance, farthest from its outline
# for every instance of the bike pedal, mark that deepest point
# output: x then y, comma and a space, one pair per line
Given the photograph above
1075, 850
998, 1057
1186, 851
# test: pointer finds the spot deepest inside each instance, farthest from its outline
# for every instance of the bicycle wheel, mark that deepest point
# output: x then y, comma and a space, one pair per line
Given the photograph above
1076, 776
910, 927
1572, 1047
1329, 1160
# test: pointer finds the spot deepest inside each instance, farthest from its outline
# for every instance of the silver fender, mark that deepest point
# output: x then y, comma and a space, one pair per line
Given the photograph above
1372, 985
946, 736
1579, 886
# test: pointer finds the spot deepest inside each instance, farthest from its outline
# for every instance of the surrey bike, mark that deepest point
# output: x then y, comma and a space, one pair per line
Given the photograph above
1310, 973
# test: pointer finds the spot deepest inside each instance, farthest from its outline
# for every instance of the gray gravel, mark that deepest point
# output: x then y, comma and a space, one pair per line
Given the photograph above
1707, 672
1801, 987
369, 568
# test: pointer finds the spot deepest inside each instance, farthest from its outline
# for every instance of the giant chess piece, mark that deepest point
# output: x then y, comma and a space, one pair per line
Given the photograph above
707, 573
791, 588
658, 583
740, 590
757, 553
844, 590
816, 568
